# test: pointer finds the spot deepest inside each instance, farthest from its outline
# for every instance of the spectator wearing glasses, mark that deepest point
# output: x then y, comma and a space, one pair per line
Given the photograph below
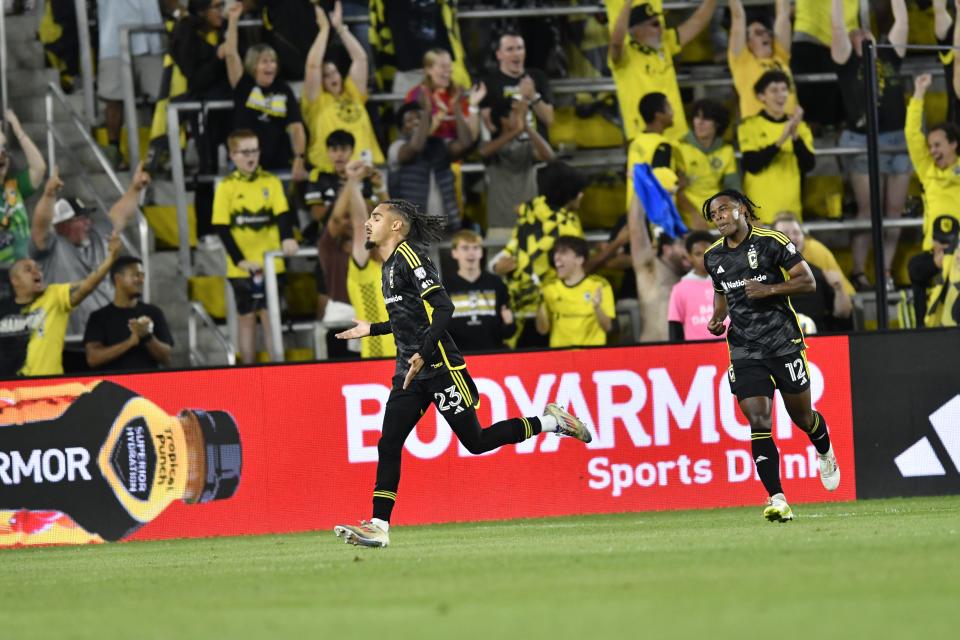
251, 214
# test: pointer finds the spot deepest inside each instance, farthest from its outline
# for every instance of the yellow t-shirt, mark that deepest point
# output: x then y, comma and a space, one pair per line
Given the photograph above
48, 320
941, 187
573, 322
364, 288
817, 254
642, 70
538, 227
746, 69
249, 205
707, 171
647, 145
777, 187
813, 18
327, 113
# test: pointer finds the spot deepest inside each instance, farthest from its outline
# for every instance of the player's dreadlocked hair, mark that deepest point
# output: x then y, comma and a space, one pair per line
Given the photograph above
733, 194
424, 227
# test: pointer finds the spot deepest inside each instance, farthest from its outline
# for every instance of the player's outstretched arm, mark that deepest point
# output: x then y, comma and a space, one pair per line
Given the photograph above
801, 281
362, 329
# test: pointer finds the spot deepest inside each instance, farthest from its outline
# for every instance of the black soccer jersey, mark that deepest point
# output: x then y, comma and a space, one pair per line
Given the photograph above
765, 328
409, 278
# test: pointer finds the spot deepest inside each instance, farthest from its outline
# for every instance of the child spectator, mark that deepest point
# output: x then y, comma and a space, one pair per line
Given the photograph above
776, 148
578, 310
127, 334
652, 147
753, 50
251, 215
511, 158
264, 104
691, 300
928, 268
525, 261
324, 194
709, 163
482, 318
331, 102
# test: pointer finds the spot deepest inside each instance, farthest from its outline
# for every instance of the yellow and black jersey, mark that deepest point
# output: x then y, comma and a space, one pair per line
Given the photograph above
573, 321
766, 328
32, 335
538, 227
327, 113
941, 187
708, 170
644, 70
409, 278
363, 289
250, 206
773, 175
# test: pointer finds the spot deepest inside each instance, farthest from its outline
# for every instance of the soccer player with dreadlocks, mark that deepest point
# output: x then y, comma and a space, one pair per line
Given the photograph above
429, 368
754, 272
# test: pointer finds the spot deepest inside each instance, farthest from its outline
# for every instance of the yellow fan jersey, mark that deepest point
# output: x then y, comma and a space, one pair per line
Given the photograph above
941, 187
573, 321
776, 187
364, 287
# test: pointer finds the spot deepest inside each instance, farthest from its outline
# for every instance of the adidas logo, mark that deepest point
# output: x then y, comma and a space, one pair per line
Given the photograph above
720, 270
920, 459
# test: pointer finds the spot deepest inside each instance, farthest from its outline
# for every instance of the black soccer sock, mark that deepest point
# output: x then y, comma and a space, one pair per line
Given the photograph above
819, 435
383, 505
767, 458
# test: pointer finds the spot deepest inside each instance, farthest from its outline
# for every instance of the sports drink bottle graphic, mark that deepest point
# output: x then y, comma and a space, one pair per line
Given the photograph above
95, 462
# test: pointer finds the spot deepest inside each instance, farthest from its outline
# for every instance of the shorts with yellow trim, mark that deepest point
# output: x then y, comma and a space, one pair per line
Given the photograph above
755, 378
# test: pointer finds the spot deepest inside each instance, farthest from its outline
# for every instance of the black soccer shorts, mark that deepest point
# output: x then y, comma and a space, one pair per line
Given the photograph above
754, 378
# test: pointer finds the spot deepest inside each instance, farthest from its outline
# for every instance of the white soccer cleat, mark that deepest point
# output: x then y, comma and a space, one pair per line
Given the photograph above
829, 470
568, 424
366, 535
777, 509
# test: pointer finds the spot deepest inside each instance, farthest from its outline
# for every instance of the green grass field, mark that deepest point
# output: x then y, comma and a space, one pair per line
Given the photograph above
881, 569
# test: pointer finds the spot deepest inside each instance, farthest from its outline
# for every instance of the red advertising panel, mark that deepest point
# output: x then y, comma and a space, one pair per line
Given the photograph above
293, 448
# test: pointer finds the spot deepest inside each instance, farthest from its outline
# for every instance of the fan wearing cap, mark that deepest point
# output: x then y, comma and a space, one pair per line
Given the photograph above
33, 323
927, 269
69, 243
641, 57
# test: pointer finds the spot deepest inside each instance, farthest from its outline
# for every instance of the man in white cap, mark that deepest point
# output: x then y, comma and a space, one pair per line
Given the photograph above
68, 243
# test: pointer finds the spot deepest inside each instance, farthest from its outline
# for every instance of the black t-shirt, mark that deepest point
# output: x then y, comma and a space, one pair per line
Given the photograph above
628, 286
108, 326
891, 110
500, 85
763, 328
267, 111
15, 330
409, 278
416, 26
477, 324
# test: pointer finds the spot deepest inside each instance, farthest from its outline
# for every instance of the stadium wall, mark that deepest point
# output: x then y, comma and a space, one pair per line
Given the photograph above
668, 435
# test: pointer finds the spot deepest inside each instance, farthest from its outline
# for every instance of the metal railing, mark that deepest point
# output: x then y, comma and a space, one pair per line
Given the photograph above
86, 62
273, 297
197, 312
55, 93
3, 62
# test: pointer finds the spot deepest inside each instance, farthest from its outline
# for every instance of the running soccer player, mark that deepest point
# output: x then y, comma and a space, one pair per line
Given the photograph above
747, 265
429, 368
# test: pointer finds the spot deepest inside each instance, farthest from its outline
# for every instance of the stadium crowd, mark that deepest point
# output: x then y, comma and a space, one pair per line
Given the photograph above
305, 155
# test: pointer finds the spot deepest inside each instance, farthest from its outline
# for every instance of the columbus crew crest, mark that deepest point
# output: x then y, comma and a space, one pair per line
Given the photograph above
752, 257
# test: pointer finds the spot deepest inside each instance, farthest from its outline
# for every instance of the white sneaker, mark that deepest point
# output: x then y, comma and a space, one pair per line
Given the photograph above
366, 535
829, 471
777, 509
